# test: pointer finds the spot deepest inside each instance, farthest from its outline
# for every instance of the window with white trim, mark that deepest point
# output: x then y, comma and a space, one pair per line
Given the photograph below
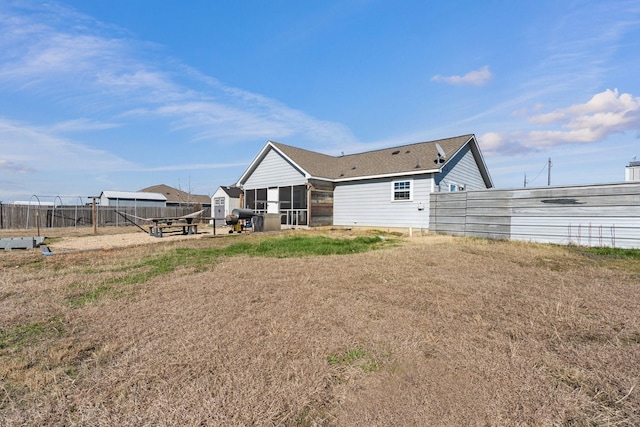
402, 190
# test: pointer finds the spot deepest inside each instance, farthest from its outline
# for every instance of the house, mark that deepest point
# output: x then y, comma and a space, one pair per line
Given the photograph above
132, 198
381, 188
177, 197
225, 200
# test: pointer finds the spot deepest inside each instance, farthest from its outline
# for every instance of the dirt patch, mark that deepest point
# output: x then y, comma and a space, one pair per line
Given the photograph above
434, 331
79, 239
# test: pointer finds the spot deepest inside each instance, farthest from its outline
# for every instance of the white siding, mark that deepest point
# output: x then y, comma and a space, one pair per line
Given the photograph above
274, 171
462, 170
231, 204
368, 203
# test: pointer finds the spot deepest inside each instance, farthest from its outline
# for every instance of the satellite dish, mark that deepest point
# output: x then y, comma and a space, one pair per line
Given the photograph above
441, 154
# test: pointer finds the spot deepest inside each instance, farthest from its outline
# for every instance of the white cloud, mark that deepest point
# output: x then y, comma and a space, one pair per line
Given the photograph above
81, 124
197, 166
474, 78
11, 167
62, 57
605, 114
27, 149
491, 141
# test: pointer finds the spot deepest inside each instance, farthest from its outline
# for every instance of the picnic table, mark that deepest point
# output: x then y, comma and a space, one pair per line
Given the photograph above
161, 224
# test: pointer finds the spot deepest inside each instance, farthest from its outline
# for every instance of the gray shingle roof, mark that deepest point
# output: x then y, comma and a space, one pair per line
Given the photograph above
233, 192
405, 159
173, 195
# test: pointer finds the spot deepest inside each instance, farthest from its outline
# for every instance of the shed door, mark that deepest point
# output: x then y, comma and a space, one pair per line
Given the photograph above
273, 202
218, 207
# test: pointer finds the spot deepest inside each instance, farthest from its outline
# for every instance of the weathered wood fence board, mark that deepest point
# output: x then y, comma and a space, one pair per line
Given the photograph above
595, 215
22, 216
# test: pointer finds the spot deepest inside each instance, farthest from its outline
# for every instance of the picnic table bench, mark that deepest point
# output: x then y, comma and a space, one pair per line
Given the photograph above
186, 224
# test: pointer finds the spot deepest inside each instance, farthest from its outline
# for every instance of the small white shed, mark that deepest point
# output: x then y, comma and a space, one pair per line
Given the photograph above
225, 200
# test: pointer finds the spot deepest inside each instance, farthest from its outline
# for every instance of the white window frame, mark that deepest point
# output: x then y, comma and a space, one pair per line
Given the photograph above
395, 190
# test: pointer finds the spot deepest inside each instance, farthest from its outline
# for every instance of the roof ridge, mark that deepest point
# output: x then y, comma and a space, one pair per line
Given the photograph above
469, 135
280, 144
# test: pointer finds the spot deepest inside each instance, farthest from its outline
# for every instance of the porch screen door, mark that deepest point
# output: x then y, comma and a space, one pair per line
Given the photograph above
273, 205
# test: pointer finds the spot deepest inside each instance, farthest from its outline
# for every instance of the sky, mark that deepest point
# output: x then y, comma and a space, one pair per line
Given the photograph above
123, 95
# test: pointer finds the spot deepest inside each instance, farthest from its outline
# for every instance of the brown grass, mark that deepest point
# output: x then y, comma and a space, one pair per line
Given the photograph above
434, 331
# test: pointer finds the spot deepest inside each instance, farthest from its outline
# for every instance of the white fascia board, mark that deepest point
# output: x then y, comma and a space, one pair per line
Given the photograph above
483, 164
387, 175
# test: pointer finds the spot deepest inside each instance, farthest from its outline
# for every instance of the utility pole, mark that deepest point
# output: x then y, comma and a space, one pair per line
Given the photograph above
525, 180
549, 172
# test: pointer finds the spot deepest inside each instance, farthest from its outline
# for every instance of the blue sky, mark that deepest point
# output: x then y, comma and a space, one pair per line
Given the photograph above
121, 95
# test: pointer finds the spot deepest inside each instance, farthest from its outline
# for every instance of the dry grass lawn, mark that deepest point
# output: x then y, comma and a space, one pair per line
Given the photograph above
428, 331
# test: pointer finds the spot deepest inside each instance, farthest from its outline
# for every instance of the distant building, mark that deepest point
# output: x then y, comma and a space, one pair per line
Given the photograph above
632, 172
31, 203
132, 198
177, 197
225, 200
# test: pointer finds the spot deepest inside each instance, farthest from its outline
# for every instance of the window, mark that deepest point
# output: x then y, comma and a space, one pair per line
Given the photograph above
402, 190
261, 199
299, 197
285, 197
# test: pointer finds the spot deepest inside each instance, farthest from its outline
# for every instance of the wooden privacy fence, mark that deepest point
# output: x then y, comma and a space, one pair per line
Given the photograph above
594, 215
34, 216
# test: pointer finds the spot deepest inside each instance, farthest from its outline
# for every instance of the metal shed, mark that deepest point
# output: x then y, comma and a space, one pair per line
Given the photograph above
132, 198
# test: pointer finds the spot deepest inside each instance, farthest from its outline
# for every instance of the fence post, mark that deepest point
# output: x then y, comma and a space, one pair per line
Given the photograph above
94, 216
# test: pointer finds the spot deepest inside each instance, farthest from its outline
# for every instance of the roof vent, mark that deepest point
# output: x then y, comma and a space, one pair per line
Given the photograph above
407, 152
353, 167
395, 152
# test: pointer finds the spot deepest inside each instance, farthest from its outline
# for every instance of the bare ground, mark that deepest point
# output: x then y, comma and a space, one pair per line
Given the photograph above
434, 331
